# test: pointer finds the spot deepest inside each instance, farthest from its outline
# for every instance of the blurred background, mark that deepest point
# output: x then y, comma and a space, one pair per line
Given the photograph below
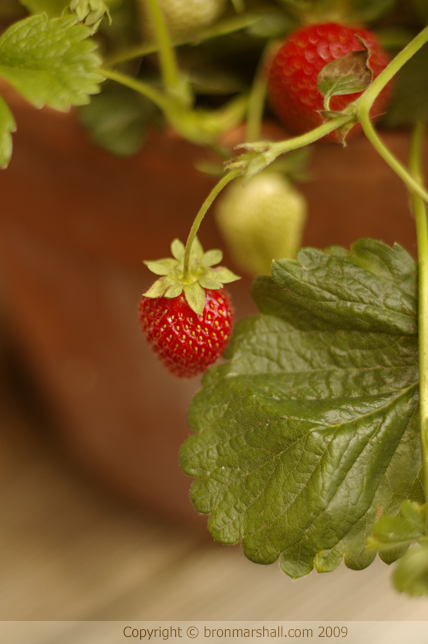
96, 518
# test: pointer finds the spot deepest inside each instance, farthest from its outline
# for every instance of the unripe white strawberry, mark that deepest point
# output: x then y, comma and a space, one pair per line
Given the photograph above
262, 220
184, 17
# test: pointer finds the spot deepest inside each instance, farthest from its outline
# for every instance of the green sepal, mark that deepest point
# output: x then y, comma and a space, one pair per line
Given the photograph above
177, 250
199, 276
223, 275
207, 282
162, 266
158, 288
197, 251
195, 296
212, 257
174, 290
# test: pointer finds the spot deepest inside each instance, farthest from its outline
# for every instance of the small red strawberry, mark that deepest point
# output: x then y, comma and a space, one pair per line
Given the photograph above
188, 320
293, 73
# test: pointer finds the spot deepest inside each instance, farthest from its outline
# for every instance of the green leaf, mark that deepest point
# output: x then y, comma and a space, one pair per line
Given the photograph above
345, 75
311, 428
7, 125
53, 8
367, 11
411, 573
118, 119
195, 296
410, 97
90, 12
421, 9
50, 61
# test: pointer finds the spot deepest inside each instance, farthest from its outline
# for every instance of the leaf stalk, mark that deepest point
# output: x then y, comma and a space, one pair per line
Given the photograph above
172, 79
419, 209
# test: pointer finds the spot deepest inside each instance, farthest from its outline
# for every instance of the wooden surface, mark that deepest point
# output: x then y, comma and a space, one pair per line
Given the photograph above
72, 552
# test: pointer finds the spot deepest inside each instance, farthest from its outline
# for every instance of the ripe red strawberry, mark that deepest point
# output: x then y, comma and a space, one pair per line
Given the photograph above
187, 343
187, 318
294, 71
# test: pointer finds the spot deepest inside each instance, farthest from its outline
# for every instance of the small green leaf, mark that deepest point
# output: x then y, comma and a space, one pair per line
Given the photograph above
195, 296
411, 572
158, 288
162, 266
311, 428
50, 61
346, 75
212, 257
177, 250
392, 532
416, 514
7, 125
223, 275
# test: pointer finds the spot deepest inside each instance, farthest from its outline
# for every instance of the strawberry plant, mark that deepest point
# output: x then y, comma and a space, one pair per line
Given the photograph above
311, 438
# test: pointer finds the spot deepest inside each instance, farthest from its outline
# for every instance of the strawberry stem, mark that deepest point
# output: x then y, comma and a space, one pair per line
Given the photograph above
201, 214
419, 210
412, 184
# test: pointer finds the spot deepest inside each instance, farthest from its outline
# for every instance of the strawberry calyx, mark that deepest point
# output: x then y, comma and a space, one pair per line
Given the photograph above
199, 276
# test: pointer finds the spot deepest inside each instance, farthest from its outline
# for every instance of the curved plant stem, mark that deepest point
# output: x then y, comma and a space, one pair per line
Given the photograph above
412, 184
201, 214
139, 86
171, 77
419, 210
262, 153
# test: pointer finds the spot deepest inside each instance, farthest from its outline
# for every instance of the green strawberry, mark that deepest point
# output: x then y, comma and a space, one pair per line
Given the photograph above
262, 220
184, 17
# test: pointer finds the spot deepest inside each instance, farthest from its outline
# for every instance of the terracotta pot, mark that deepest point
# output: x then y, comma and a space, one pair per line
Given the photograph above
75, 225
